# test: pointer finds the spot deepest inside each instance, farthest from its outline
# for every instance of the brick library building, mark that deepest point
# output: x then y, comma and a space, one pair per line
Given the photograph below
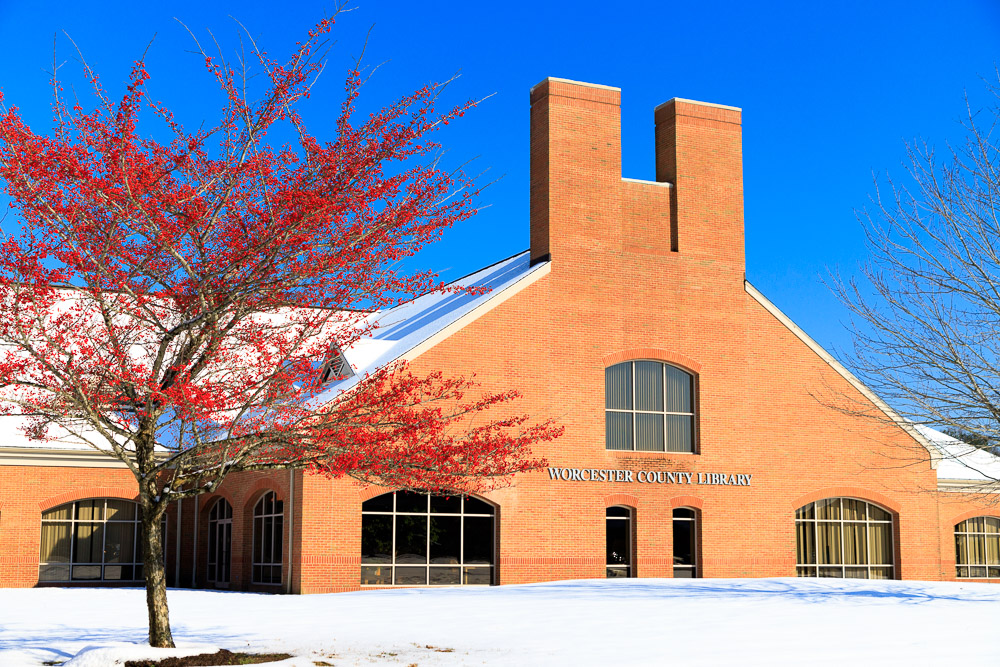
694, 444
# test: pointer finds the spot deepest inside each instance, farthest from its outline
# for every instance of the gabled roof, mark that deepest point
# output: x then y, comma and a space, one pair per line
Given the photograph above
408, 330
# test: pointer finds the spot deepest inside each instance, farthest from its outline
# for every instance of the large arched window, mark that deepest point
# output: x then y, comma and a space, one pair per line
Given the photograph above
977, 548
91, 540
618, 542
649, 406
268, 524
413, 539
220, 536
844, 537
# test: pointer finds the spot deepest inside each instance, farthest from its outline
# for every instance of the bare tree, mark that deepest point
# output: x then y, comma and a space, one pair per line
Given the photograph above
926, 305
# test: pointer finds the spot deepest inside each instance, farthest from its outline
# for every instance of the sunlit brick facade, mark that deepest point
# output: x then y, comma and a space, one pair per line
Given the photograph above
619, 271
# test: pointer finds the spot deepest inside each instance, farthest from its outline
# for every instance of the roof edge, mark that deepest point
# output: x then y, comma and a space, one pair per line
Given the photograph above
495, 298
935, 454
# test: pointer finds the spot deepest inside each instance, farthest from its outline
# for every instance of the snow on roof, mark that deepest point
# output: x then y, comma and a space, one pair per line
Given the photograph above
406, 330
960, 460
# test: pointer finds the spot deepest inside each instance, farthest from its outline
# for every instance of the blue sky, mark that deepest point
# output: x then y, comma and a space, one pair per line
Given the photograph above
829, 91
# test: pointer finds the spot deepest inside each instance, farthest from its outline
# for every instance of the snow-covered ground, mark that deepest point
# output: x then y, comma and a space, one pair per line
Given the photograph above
594, 622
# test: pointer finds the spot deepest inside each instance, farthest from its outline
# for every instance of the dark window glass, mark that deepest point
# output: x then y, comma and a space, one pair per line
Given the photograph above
618, 542
268, 534
446, 540
381, 503
477, 506
376, 538
407, 501
446, 505
618, 387
478, 541
427, 540
649, 386
411, 539
684, 542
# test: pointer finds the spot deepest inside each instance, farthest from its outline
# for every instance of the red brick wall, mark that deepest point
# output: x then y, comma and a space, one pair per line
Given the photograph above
638, 270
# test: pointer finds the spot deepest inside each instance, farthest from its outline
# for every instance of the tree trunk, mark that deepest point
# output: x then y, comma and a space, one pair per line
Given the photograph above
155, 573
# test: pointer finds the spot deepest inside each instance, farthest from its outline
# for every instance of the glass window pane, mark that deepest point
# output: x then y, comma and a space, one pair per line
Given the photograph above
680, 433
618, 542
446, 505
55, 543
992, 549
90, 510
88, 543
376, 576
678, 390
478, 541
856, 573
63, 513
86, 572
878, 514
683, 513
477, 576
617, 572
53, 573
411, 576
829, 543
618, 430
618, 511
684, 542
855, 543
805, 542
381, 503
618, 387
880, 543
119, 542
649, 432
805, 512
649, 385
854, 510
279, 533
961, 550
120, 510
683, 573
805, 572
477, 506
407, 501
445, 576
992, 524
376, 538
446, 540
880, 573
831, 572
411, 539
828, 508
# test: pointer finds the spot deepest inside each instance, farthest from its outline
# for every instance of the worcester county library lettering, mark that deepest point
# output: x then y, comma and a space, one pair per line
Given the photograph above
648, 476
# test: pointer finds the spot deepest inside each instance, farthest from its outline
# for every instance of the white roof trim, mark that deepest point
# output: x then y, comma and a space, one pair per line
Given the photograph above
699, 103
935, 455
661, 184
571, 81
495, 299
64, 458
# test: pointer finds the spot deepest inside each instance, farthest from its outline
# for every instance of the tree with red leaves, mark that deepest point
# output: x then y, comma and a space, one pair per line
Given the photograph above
175, 303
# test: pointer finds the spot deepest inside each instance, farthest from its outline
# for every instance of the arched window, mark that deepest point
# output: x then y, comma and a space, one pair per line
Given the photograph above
844, 537
220, 536
977, 548
268, 524
618, 538
91, 540
649, 406
685, 543
413, 539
